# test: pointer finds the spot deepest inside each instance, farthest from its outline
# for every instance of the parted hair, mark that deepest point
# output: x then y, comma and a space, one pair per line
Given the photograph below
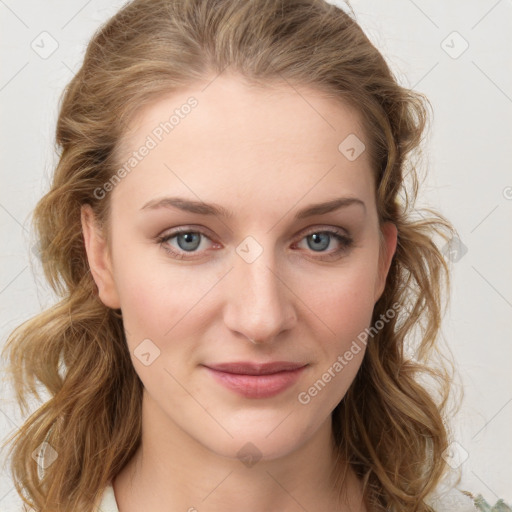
391, 425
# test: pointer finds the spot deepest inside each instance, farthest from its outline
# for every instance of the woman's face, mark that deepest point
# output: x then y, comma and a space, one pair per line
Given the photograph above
261, 264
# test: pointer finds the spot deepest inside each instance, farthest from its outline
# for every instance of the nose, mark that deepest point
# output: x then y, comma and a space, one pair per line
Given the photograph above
260, 303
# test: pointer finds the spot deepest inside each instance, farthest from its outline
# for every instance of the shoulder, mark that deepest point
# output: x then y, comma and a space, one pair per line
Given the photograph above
108, 500
456, 500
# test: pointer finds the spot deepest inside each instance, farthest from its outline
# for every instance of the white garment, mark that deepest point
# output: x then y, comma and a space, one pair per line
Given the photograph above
108, 501
452, 501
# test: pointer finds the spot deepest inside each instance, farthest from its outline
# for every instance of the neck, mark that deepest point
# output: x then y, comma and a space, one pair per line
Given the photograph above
171, 471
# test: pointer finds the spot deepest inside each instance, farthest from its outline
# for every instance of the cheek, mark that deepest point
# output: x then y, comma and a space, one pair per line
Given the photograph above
341, 307
161, 301
143, 301
343, 298
158, 316
346, 308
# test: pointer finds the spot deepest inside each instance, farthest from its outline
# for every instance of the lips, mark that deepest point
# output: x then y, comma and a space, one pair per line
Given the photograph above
257, 380
243, 368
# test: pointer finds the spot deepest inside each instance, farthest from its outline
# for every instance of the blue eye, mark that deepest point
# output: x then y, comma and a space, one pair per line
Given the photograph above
189, 241
319, 240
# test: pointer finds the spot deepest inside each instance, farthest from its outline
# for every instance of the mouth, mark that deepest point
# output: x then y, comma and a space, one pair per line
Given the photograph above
253, 380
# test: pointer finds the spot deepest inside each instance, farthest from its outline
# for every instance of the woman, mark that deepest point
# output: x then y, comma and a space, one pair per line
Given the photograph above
240, 274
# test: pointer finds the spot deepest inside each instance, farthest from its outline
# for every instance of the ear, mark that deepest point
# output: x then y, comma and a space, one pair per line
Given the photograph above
99, 259
388, 242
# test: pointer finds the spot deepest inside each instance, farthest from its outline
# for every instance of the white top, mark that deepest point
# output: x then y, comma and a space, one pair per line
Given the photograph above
108, 500
452, 501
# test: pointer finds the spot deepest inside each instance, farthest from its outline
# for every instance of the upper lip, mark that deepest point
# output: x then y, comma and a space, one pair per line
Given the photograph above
249, 368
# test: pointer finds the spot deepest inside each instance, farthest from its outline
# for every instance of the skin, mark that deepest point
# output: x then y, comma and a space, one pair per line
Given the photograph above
264, 154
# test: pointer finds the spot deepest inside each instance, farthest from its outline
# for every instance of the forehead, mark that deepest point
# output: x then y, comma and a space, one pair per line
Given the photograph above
277, 142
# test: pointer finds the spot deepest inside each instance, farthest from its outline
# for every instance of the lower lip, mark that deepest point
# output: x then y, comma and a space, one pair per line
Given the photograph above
257, 386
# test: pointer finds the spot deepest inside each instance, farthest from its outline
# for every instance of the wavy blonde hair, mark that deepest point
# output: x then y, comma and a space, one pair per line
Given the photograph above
390, 425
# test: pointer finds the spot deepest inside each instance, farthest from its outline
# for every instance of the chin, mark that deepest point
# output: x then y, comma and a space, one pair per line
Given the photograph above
252, 449
262, 440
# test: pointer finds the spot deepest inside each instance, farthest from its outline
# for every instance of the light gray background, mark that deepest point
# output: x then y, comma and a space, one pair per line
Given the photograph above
469, 154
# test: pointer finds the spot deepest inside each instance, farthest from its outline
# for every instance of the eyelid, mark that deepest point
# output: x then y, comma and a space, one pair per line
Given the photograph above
206, 232
335, 231
172, 232
326, 227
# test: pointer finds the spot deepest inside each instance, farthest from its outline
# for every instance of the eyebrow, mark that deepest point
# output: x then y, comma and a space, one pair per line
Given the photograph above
201, 208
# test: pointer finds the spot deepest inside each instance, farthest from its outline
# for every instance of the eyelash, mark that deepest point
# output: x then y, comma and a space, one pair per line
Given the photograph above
345, 241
